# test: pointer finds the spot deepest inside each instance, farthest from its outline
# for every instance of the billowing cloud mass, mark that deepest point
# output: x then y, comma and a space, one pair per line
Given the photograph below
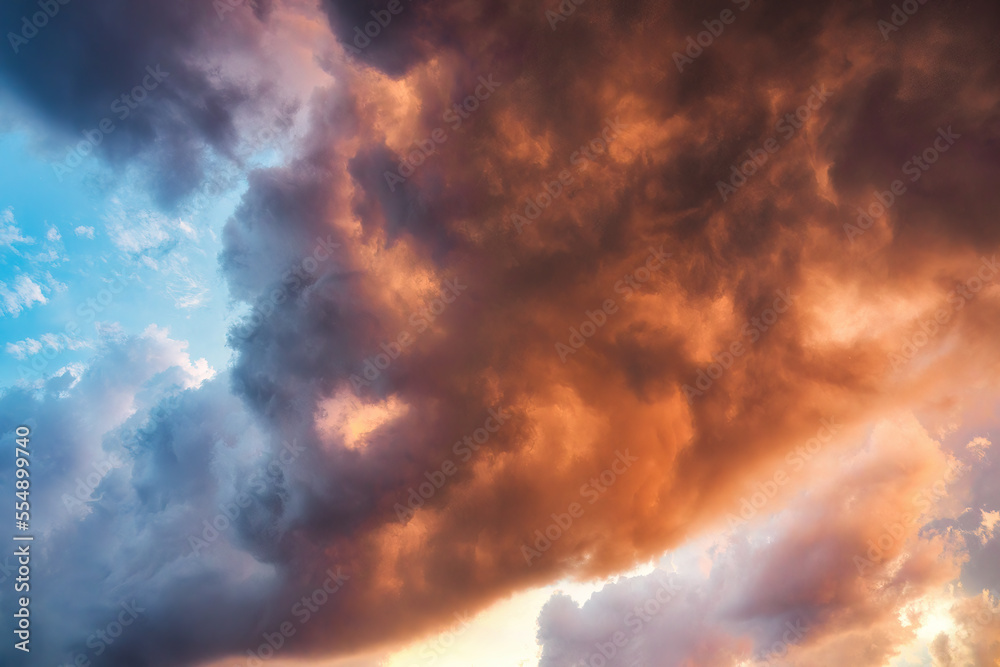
542, 291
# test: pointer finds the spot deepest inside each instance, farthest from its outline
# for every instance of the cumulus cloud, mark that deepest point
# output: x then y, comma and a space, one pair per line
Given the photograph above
86, 232
709, 336
979, 446
988, 528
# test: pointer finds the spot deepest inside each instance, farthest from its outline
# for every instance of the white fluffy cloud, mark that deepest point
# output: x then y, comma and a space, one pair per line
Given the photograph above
22, 295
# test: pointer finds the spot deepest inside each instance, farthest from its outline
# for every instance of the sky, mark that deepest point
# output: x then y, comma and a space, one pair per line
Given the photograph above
500, 334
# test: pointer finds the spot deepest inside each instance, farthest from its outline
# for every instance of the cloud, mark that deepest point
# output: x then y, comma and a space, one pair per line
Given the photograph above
213, 73
24, 294
9, 232
797, 587
136, 232
86, 232
52, 234
24, 349
160, 243
50, 342
335, 267
654, 186
987, 531
107, 60
979, 446
187, 289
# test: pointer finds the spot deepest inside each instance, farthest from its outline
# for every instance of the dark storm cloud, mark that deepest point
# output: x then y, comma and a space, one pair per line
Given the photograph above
383, 33
451, 218
75, 69
656, 193
390, 253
